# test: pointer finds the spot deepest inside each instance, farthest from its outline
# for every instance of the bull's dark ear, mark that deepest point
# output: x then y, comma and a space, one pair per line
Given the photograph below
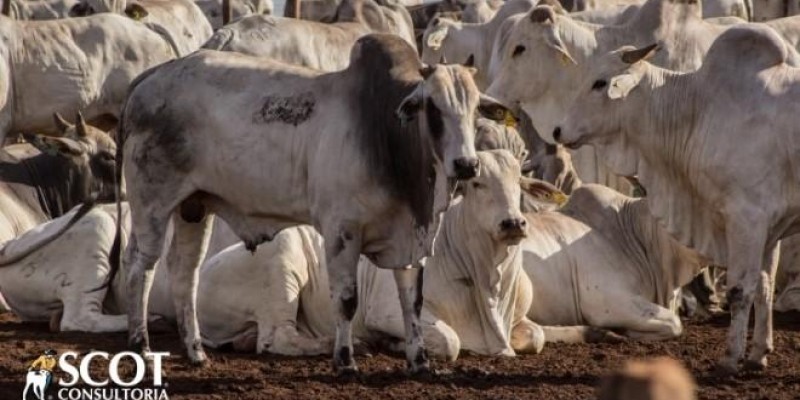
136, 12
410, 106
61, 124
493, 110
80, 125
427, 71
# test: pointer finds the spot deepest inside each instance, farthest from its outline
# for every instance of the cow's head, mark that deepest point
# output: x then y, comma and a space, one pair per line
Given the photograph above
608, 100
492, 199
130, 8
531, 57
90, 151
449, 101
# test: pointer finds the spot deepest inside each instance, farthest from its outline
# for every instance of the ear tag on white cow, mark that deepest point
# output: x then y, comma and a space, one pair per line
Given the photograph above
565, 61
509, 120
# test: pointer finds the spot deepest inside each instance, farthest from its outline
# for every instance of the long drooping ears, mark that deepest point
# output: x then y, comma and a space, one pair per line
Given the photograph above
642, 54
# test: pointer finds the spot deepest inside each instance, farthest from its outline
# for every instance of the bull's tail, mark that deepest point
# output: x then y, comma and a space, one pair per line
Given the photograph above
10, 257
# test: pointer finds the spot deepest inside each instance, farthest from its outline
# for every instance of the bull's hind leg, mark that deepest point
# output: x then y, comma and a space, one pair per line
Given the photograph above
144, 248
189, 244
762, 331
409, 286
342, 250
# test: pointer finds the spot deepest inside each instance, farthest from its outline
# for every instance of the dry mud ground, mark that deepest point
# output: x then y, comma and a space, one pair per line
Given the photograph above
560, 372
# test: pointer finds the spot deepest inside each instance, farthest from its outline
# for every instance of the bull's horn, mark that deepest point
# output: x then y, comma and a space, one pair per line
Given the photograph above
542, 14
634, 56
61, 123
80, 125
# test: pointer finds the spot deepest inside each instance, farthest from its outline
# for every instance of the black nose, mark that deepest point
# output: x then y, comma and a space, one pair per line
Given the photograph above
466, 167
557, 134
513, 224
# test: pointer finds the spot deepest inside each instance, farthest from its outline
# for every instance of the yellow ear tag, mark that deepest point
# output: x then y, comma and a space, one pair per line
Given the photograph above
564, 59
509, 120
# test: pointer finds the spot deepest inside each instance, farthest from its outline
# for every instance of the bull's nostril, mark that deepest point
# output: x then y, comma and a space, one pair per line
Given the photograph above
466, 168
523, 223
557, 134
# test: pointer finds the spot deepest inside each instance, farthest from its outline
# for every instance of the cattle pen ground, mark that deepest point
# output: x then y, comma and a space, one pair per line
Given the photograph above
559, 372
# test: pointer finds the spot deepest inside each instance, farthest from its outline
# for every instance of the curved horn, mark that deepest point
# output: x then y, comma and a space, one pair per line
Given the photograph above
634, 56
61, 123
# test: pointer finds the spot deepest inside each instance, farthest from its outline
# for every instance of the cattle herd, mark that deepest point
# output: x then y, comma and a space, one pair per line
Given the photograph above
484, 176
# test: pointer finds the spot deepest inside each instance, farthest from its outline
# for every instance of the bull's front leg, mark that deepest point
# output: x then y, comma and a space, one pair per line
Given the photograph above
762, 331
409, 286
746, 244
342, 251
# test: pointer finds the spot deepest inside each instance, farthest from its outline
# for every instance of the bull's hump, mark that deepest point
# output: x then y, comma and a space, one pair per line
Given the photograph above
748, 46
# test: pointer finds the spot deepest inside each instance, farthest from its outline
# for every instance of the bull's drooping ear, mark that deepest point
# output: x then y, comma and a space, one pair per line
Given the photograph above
410, 106
55, 145
61, 124
490, 108
80, 125
621, 85
643, 54
136, 12
542, 191
437, 35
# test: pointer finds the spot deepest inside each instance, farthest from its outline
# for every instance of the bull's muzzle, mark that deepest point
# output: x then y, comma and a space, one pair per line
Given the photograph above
466, 167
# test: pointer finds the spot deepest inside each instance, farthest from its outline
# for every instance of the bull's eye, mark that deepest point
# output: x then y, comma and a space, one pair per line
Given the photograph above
599, 84
477, 185
518, 50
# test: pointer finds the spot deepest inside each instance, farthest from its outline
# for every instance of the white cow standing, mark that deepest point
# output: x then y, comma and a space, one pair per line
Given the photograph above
720, 175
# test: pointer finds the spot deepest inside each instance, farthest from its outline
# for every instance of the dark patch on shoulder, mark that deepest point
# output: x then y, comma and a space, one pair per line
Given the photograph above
292, 110
349, 305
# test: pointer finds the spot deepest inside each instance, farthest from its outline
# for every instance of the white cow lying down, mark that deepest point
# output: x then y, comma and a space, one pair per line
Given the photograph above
475, 293
604, 261
62, 274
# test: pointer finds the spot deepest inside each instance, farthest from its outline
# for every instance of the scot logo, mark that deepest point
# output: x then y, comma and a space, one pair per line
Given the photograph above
76, 382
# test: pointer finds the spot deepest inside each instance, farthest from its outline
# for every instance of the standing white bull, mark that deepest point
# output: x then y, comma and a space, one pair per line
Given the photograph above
388, 131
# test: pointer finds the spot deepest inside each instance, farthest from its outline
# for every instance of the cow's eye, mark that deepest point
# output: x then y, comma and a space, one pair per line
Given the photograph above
518, 50
478, 185
599, 84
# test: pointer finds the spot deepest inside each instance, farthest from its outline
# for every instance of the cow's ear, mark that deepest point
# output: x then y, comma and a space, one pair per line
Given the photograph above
436, 36
620, 85
136, 12
542, 191
491, 109
61, 124
553, 41
410, 106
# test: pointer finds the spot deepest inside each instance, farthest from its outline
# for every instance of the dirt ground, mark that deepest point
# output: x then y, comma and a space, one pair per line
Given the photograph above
559, 372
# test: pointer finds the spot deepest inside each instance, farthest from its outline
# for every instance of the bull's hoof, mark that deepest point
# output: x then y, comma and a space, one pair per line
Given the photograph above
346, 371
725, 369
199, 359
755, 365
